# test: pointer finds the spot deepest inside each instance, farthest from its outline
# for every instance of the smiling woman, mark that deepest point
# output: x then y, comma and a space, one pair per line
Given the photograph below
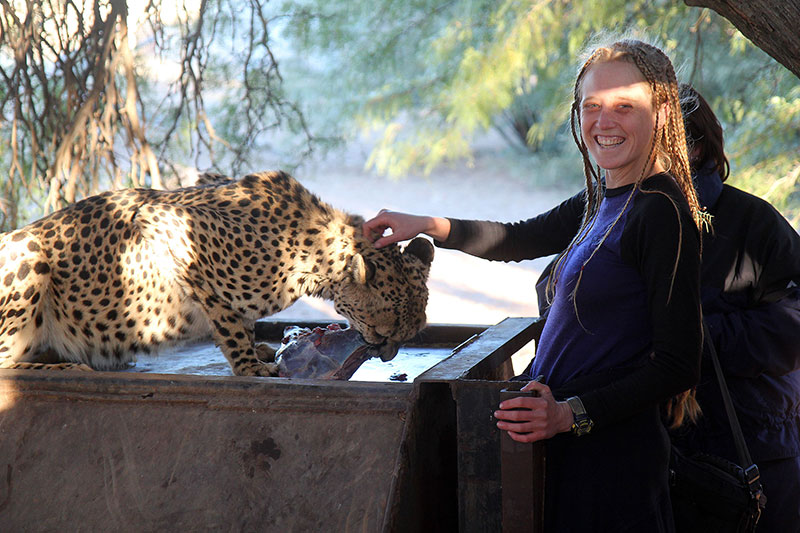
623, 331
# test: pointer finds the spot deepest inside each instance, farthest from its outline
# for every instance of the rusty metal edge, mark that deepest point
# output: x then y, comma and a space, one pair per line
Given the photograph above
436, 334
489, 350
213, 392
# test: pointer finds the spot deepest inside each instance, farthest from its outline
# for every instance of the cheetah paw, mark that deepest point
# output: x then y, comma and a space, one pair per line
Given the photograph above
258, 369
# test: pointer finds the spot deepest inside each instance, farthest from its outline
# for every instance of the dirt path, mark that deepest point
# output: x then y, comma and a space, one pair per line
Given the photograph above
463, 289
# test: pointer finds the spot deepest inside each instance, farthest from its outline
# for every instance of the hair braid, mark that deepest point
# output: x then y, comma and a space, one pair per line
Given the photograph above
672, 148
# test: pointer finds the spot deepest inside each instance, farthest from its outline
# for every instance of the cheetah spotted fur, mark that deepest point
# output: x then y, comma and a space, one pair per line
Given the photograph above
130, 271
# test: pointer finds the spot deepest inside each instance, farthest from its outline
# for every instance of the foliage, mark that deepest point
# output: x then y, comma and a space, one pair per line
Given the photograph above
764, 150
430, 75
95, 95
437, 73
758, 103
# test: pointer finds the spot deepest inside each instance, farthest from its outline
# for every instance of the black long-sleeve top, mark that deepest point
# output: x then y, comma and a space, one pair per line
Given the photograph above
637, 309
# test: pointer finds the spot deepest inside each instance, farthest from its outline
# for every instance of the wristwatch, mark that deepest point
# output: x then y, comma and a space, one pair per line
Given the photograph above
581, 423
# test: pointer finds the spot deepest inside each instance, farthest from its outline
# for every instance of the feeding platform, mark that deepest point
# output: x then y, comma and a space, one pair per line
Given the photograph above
178, 443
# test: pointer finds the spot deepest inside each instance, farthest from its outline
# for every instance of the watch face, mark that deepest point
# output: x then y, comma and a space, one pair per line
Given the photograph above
583, 425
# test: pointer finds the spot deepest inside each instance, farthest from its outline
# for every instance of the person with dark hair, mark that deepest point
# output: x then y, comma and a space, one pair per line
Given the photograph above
751, 302
624, 334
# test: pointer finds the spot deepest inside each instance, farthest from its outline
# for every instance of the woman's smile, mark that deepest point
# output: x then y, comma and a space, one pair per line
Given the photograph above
609, 142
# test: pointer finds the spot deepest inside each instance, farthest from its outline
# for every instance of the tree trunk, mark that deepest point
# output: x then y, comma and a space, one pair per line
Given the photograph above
772, 25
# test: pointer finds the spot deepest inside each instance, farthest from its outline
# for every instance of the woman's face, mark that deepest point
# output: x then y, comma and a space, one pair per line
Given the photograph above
617, 120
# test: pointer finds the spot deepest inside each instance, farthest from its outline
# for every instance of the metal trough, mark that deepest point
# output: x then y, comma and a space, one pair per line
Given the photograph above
132, 451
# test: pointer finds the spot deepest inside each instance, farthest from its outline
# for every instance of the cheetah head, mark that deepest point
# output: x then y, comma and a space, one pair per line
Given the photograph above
385, 293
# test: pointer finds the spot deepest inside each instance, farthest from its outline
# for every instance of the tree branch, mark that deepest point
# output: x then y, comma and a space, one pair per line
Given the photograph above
770, 24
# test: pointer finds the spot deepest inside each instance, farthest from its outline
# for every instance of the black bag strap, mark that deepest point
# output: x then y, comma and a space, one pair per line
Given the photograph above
751, 472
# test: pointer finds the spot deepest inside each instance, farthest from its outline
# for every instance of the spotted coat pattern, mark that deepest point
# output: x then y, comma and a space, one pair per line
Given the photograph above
129, 271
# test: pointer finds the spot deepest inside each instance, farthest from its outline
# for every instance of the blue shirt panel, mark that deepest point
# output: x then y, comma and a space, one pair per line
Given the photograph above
611, 328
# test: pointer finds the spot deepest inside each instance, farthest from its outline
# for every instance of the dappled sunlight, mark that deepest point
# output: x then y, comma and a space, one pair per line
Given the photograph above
8, 392
160, 253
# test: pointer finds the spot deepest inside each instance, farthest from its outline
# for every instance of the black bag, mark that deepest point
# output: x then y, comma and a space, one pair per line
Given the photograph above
711, 494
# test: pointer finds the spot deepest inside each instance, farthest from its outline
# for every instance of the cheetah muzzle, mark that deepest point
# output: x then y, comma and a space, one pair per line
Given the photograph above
130, 271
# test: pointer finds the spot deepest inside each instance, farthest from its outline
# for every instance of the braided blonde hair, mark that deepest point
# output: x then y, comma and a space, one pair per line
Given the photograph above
668, 148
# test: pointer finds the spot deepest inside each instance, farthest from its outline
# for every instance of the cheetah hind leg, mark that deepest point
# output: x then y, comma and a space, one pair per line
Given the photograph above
48, 360
24, 278
47, 366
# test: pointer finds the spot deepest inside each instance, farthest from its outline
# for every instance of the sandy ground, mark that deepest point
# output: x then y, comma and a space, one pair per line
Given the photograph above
463, 289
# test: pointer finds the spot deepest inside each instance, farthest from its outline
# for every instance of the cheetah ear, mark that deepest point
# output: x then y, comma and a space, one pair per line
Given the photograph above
421, 248
362, 270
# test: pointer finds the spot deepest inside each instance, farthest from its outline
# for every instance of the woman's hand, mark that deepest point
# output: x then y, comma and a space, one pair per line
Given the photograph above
403, 227
534, 418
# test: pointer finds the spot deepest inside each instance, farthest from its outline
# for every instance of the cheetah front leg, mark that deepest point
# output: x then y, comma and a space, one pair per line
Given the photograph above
236, 340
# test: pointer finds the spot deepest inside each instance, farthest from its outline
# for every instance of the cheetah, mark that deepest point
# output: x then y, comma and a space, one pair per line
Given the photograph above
130, 271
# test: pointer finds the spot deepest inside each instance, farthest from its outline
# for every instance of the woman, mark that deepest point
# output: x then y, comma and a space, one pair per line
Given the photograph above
751, 301
624, 330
